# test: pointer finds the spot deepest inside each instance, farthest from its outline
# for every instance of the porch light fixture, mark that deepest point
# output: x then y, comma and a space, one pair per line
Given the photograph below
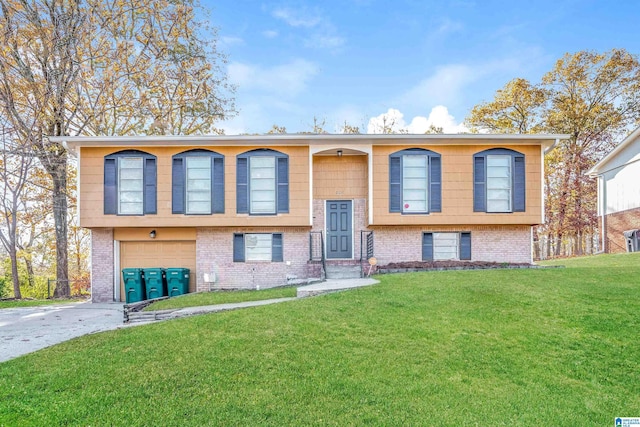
339, 153
152, 234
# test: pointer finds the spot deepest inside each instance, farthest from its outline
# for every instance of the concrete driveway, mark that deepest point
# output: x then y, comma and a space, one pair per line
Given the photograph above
25, 330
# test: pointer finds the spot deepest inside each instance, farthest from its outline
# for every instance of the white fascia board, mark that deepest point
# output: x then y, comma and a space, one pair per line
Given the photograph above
598, 168
547, 140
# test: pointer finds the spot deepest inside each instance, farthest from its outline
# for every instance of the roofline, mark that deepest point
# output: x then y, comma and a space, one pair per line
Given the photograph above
73, 142
595, 170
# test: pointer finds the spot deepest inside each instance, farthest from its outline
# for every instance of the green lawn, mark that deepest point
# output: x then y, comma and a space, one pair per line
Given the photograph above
35, 302
598, 261
220, 297
556, 347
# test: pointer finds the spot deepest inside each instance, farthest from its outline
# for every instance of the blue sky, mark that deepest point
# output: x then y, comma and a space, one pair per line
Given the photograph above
420, 62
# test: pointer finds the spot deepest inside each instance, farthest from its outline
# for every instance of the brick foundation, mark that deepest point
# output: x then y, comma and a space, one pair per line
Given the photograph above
102, 265
488, 243
214, 255
615, 225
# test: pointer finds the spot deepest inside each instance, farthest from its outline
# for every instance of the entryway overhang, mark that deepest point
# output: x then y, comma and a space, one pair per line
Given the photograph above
340, 150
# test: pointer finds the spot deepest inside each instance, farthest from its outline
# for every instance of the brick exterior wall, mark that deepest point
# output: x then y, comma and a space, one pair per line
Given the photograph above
102, 265
488, 243
615, 225
214, 254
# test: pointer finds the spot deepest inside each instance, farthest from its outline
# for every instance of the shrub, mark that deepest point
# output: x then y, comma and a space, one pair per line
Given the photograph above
37, 291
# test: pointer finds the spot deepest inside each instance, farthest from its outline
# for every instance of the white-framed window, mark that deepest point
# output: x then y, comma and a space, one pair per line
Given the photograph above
415, 193
257, 247
262, 185
130, 186
446, 246
198, 185
499, 183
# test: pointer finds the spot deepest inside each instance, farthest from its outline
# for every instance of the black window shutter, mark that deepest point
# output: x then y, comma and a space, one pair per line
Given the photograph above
177, 186
479, 185
217, 187
238, 248
465, 246
518, 184
150, 186
276, 247
427, 246
242, 185
283, 185
395, 183
110, 189
435, 185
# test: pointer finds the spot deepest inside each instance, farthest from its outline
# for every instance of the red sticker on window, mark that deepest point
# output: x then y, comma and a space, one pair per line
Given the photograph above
406, 205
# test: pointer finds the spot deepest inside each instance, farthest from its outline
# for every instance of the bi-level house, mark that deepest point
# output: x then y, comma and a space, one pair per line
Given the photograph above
249, 211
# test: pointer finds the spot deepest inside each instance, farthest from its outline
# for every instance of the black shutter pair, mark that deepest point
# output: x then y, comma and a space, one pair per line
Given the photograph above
276, 248
395, 179
518, 189
465, 246
242, 180
111, 181
178, 178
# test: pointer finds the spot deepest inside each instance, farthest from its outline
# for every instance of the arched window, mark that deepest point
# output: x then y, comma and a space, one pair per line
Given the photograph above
498, 181
197, 186
415, 181
130, 183
262, 182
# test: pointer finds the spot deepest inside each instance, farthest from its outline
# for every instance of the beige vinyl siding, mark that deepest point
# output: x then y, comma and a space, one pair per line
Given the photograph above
92, 191
340, 177
457, 188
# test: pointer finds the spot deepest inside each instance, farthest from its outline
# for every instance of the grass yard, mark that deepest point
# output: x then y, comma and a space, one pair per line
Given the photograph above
35, 302
220, 297
555, 347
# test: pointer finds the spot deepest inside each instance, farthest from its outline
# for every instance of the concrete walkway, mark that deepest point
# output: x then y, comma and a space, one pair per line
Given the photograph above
333, 286
28, 329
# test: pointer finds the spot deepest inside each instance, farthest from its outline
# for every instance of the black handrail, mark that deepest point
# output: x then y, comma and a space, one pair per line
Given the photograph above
316, 249
366, 248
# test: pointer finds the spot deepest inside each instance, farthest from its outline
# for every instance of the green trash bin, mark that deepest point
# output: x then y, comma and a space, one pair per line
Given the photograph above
133, 284
154, 283
177, 281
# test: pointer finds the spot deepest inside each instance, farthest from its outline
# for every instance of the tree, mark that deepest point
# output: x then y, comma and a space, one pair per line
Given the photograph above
592, 97
15, 164
433, 129
105, 68
277, 130
517, 108
349, 129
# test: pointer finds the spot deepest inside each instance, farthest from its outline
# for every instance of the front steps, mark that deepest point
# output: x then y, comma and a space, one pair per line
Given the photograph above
342, 270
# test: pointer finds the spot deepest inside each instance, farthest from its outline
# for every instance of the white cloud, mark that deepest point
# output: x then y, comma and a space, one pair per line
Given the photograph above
286, 80
231, 40
449, 85
324, 41
445, 87
298, 18
318, 31
270, 34
393, 119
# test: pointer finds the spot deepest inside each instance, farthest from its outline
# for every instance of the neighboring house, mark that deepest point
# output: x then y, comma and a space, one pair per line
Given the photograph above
618, 176
248, 211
